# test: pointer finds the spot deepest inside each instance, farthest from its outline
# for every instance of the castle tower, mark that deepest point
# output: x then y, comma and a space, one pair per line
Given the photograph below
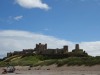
37, 45
45, 46
40, 48
77, 47
65, 48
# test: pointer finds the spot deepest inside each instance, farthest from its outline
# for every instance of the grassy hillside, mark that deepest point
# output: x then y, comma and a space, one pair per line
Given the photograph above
40, 60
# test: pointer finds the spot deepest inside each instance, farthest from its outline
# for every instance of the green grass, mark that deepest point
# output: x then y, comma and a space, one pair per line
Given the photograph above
29, 60
46, 62
38, 60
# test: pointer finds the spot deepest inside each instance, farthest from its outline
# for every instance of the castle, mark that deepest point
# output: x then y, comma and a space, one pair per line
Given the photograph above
41, 49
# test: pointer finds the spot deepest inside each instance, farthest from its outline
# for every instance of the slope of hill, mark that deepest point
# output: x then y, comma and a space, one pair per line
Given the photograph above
40, 60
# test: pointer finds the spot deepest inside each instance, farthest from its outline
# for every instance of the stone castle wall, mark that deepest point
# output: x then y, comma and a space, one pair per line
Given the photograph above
41, 49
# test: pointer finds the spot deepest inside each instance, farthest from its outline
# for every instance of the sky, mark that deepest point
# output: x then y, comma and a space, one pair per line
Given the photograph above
23, 23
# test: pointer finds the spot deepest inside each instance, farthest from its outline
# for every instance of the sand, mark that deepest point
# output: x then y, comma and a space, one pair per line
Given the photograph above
54, 70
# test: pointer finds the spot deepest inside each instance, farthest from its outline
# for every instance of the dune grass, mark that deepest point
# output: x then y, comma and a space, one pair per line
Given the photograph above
38, 60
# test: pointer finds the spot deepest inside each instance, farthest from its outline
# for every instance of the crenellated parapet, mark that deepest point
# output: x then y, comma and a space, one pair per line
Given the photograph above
41, 49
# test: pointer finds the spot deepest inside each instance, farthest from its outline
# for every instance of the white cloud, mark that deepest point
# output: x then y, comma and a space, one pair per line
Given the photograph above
12, 40
11, 19
32, 4
17, 18
91, 47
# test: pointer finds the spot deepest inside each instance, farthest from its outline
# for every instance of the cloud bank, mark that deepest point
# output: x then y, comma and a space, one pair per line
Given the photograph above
13, 40
32, 4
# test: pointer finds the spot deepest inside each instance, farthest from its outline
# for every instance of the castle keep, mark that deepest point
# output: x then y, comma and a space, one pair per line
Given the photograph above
41, 49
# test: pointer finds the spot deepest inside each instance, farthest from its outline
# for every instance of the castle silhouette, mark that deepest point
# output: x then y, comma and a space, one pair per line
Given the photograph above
41, 49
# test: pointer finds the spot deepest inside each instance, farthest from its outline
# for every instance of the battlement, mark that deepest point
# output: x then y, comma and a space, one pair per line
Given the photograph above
41, 49
41, 46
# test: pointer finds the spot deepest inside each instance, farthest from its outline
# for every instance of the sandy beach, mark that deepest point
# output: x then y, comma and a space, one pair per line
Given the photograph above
53, 70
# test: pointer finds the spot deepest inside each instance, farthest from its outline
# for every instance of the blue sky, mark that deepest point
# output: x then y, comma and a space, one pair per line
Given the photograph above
72, 20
